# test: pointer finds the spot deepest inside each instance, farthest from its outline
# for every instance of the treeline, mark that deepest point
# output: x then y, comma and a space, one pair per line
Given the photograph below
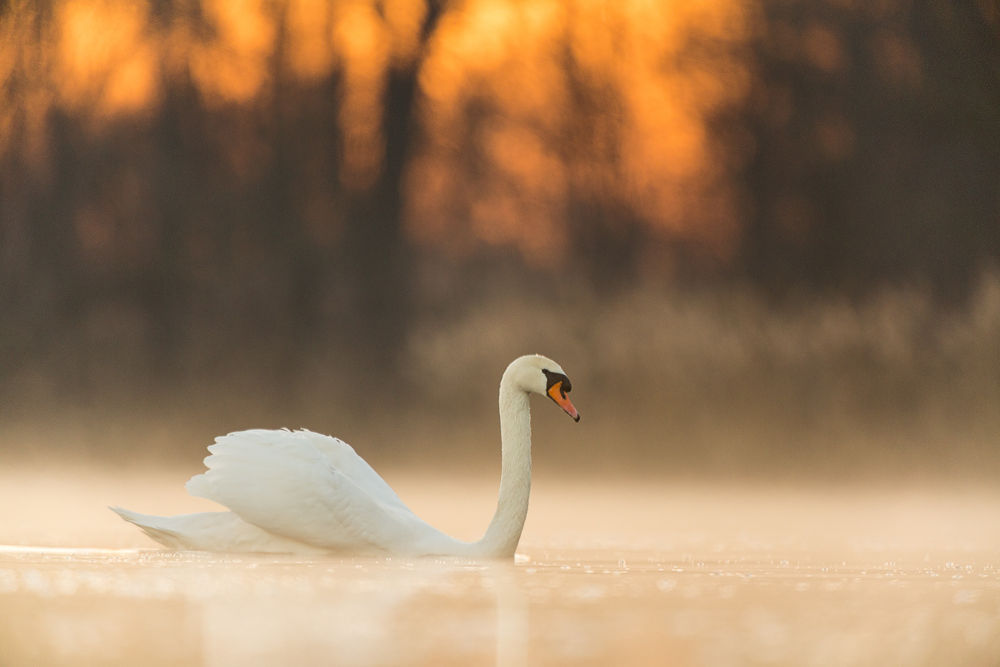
211, 211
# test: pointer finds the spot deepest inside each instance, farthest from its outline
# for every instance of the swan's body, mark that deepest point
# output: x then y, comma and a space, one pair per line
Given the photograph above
301, 492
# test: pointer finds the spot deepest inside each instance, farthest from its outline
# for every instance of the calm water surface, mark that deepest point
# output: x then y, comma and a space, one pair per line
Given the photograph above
621, 574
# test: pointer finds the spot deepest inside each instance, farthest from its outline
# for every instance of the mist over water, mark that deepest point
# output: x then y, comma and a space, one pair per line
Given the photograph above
711, 382
722, 380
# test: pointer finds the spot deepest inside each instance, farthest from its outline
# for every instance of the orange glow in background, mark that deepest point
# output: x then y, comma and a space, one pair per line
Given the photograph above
104, 59
522, 106
233, 67
593, 99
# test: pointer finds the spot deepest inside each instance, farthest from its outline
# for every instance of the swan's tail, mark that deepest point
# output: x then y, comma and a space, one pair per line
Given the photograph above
213, 531
154, 526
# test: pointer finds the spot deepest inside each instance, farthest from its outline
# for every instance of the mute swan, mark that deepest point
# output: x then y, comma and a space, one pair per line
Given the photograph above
301, 492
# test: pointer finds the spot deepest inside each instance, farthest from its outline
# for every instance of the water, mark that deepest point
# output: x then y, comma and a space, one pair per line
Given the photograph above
625, 574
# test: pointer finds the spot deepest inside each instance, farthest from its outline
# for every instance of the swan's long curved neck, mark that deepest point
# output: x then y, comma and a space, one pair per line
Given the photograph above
504, 531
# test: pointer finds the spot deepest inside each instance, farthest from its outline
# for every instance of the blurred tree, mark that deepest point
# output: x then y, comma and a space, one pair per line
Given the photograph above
878, 147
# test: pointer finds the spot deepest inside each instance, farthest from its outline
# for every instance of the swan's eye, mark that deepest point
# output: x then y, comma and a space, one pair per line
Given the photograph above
558, 385
552, 379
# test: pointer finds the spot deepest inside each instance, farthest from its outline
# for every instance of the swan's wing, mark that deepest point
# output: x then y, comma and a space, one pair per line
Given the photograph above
281, 482
346, 460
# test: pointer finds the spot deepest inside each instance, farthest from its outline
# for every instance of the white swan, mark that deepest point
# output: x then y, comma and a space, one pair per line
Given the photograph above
301, 492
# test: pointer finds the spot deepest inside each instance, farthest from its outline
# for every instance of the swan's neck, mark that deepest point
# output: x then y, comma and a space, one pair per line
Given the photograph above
504, 531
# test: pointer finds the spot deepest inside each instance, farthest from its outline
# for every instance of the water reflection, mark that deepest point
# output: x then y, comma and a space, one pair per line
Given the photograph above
201, 609
512, 620
729, 606
608, 574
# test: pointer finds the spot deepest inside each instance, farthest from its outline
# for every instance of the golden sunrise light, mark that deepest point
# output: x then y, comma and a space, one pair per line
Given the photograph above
499, 332
523, 105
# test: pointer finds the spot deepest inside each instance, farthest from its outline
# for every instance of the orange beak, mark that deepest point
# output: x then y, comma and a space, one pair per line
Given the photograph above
557, 394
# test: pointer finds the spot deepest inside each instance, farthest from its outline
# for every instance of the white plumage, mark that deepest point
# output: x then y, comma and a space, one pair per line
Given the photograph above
301, 492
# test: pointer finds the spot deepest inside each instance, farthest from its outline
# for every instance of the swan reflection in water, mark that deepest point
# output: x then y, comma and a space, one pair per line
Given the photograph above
384, 613
300, 492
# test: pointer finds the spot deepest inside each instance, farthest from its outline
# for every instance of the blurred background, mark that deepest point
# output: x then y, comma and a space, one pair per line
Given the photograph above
761, 236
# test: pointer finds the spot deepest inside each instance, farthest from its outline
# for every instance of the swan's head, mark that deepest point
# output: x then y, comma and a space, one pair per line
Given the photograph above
535, 374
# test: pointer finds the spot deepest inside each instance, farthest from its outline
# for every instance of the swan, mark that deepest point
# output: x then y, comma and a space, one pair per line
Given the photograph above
304, 493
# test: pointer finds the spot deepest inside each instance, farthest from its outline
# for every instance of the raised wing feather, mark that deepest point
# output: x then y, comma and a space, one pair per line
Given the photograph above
346, 460
323, 495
